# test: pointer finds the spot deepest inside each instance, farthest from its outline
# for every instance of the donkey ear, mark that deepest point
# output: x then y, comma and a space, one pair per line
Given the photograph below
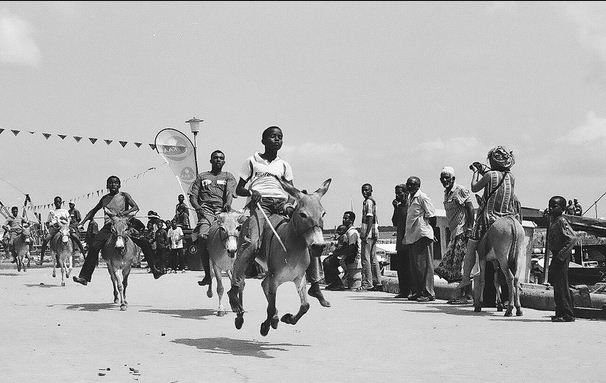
324, 188
293, 191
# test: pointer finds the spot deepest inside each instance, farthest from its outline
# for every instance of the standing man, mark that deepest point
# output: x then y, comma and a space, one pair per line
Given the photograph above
74, 217
210, 194
175, 233
419, 235
561, 241
371, 272
398, 219
181, 204
459, 214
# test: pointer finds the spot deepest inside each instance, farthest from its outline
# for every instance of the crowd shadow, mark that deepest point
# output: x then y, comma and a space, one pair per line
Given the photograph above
9, 274
237, 347
89, 306
200, 314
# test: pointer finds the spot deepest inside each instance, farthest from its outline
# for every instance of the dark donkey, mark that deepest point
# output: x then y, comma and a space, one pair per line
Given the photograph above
303, 230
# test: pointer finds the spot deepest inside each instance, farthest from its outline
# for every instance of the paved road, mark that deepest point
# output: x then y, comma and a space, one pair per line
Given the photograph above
170, 333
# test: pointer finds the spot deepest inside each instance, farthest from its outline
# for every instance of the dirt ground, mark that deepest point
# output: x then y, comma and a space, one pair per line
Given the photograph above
170, 333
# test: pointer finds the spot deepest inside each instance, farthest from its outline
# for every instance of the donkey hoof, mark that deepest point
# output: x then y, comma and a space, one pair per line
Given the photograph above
287, 318
239, 321
209, 294
499, 308
116, 300
264, 328
221, 313
54, 274
477, 309
518, 312
62, 283
508, 313
274, 322
122, 307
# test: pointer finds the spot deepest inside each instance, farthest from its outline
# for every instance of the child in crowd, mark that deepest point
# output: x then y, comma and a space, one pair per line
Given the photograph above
561, 239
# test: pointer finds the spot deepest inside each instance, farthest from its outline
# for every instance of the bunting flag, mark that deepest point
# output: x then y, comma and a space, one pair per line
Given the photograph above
93, 140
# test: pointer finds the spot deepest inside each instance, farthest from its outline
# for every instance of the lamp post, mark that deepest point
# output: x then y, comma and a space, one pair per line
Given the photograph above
194, 125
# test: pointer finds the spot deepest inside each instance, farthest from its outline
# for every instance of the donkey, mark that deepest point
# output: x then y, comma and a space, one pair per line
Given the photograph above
504, 245
119, 254
222, 244
20, 248
303, 230
63, 248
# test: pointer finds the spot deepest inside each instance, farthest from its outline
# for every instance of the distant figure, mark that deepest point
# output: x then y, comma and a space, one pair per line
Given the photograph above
331, 263
420, 224
181, 204
182, 217
175, 233
561, 240
578, 209
74, 217
570, 208
398, 219
371, 272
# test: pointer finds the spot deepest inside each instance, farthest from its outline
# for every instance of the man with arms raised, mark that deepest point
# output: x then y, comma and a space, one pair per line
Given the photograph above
121, 204
210, 194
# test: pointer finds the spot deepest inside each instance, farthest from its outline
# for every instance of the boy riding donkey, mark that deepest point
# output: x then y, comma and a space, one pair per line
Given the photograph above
120, 204
55, 219
262, 171
499, 201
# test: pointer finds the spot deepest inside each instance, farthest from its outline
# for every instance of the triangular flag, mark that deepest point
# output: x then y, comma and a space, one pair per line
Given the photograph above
108, 141
138, 144
123, 143
15, 132
92, 140
62, 136
77, 138
31, 132
46, 135
1, 130
152, 146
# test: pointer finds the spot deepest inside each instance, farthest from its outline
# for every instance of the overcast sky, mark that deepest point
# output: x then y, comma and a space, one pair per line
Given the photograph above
364, 92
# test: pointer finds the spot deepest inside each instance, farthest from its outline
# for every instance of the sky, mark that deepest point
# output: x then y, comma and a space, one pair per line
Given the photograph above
365, 92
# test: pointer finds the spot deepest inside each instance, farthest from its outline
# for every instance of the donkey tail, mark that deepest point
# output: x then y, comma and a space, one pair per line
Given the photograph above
512, 257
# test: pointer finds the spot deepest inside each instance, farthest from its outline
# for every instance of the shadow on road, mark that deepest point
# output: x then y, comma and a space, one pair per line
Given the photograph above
185, 313
237, 347
42, 285
9, 274
90, 306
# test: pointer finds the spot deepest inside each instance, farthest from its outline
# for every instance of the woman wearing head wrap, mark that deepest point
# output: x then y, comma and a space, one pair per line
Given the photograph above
498, 201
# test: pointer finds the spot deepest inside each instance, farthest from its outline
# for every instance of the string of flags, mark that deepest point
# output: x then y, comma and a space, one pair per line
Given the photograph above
92, 194
93, 140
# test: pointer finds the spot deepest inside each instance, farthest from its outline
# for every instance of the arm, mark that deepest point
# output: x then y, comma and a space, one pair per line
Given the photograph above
469, 216
93, 211
394, 217
230, 187
242, 191
478, 183
369, 220
134, 208
569, 241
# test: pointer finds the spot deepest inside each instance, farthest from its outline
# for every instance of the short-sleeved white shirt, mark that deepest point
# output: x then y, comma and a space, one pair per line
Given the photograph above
261, 175
55, 215
176, 238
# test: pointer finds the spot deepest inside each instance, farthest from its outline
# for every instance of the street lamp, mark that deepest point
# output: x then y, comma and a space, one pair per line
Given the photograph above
194, 125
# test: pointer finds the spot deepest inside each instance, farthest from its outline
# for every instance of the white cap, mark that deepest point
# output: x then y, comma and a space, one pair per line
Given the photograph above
448, 170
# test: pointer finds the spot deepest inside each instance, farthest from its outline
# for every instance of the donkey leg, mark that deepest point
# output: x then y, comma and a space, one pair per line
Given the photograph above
220, 291
269, 288
120, 285
125, 274
497, 289
301, 284
509, 278
209, 292
478, 294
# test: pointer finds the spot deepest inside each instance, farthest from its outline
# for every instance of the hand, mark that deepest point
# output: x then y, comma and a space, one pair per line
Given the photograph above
395, 203
255, 197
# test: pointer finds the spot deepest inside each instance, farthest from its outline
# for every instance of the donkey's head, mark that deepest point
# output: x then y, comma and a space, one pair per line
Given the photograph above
229, 229
308, 216
64, 229
26, 234
119, 228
